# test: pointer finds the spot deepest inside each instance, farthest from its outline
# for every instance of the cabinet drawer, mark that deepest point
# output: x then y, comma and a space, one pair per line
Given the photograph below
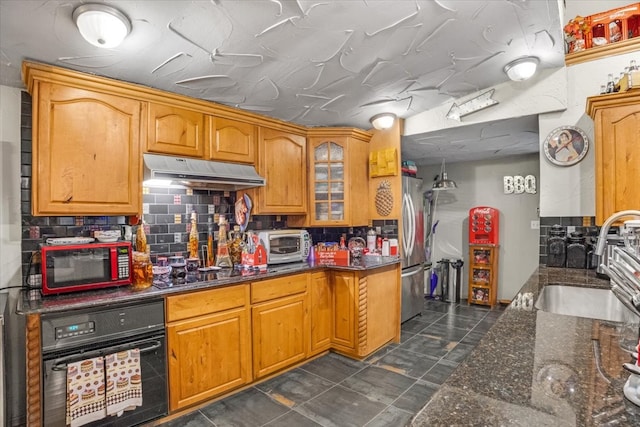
205, 302
280, 287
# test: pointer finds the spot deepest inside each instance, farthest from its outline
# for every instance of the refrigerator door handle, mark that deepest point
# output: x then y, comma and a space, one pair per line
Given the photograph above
405, 225
412, 271
409, 226
412, 238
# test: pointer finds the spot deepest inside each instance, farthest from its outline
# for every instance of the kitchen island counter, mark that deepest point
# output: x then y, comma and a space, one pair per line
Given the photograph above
32, 302
535, 368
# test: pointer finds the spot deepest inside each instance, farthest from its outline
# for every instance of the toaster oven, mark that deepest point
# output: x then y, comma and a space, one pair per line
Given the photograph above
284, 246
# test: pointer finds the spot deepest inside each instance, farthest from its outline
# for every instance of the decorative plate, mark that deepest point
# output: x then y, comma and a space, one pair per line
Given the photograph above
566, 145
69, 240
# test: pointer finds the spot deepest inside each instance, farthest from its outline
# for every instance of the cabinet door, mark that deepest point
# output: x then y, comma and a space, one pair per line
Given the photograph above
208, 356
358, 182
173, 130
231, 140
344, 301
86, 158
320, 312
283, 163
617, 134
329, 191
383, 308
279, 334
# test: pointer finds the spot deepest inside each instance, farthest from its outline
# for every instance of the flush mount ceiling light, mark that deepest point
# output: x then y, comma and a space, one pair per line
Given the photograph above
522, 68
383, 120
101, 25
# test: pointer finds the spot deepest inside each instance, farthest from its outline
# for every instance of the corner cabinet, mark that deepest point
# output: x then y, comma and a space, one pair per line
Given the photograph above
86, 151
338, 177
617, 144
208, 344
282, 161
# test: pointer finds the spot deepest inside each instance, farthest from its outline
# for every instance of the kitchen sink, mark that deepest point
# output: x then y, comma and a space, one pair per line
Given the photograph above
579, 301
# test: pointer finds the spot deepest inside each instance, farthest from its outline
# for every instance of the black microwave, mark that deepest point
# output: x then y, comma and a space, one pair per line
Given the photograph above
72, 268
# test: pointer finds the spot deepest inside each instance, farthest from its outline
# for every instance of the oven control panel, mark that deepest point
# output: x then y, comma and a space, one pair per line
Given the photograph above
77, 329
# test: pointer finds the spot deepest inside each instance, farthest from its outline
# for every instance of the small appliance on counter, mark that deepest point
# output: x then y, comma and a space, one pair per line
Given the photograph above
283, 246
70, 265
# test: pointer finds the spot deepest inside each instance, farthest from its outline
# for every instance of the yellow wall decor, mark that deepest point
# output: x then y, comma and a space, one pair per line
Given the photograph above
383, 162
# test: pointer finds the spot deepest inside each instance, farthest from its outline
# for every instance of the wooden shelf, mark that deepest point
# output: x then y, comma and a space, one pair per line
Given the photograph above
598, 52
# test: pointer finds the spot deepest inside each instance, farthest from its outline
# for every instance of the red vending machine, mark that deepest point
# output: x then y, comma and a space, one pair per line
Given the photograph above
484, 225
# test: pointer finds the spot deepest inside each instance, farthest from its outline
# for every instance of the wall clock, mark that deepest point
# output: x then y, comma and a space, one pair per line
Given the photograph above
566, 145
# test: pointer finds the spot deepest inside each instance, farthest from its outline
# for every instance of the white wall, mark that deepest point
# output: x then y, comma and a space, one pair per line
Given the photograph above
481, 184
10, 222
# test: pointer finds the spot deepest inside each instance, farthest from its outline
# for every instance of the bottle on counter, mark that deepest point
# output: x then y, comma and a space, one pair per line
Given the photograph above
141, 238
193, 236
210, 260
223, 259
235, 245
371, 240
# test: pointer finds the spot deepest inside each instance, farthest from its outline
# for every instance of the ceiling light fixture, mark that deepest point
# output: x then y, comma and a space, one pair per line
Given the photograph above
383, 120
101, 25
522, 68
444, 183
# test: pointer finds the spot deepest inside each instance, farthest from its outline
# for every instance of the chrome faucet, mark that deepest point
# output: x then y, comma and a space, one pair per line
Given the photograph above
604, 230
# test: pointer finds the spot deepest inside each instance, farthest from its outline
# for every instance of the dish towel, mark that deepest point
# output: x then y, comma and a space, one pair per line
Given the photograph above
124, 381
85, 392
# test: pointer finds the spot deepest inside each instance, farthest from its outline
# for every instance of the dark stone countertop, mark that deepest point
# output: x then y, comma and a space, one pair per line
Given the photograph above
33, 302
535, 368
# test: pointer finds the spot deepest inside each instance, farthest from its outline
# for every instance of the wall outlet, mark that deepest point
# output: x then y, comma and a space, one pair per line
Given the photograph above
535, 225
571, 229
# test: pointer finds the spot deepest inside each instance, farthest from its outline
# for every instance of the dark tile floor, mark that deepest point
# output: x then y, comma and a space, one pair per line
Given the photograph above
386, 389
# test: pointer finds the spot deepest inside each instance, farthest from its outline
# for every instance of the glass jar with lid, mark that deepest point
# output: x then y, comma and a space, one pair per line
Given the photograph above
142, 277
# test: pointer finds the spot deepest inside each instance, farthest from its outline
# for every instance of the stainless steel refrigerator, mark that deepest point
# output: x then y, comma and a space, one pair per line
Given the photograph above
412, 254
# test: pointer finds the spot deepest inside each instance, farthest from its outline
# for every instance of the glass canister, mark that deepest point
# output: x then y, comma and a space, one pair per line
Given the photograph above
576, 251
142, 277
556, 247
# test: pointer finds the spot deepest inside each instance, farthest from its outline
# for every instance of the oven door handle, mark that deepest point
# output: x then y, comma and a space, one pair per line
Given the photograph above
61, 364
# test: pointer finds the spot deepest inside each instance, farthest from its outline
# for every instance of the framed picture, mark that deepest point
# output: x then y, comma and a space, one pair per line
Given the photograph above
566, 145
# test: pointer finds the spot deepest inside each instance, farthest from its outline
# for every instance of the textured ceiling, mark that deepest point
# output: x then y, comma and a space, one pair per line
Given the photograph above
315, 63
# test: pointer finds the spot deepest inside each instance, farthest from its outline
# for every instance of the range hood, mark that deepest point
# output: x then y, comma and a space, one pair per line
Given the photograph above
197, 173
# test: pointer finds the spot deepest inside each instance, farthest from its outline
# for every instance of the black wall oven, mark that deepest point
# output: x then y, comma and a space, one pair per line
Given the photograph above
84, 334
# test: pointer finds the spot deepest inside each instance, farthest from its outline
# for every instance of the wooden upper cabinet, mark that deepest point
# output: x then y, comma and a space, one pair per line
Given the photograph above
174, 130
86, 152
282, 161
617, 144
338, 177
231, 140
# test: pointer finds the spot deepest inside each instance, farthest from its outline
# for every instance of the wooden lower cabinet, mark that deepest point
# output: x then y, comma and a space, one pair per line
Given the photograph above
320, 308
208, 354
366, 310
280, 325
222, 339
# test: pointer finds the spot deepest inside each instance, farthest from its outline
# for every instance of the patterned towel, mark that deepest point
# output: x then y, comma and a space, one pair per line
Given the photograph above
124, 381
85, 392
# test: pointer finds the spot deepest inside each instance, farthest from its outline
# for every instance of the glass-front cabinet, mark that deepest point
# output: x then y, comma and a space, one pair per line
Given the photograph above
338, 177
329, 172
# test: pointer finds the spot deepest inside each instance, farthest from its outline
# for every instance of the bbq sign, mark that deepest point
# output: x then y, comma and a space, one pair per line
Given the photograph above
519, 184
